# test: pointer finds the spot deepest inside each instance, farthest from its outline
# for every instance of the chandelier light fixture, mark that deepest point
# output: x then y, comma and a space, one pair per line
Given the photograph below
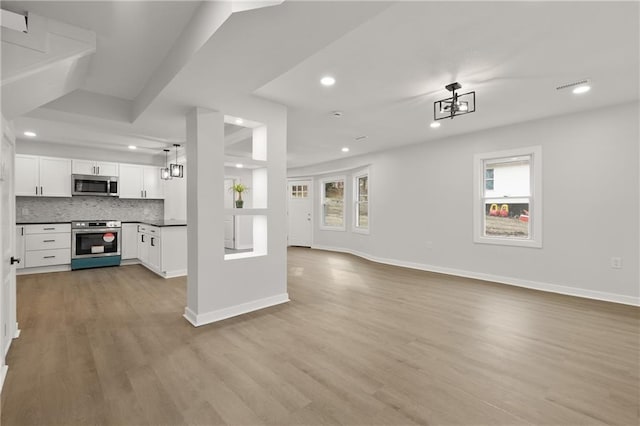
176, 170
457, 104
165, 172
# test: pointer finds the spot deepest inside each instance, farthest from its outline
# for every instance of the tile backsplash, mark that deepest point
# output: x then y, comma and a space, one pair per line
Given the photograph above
43, 209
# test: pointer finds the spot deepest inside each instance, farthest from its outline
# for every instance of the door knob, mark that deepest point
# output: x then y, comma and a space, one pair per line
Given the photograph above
14, 260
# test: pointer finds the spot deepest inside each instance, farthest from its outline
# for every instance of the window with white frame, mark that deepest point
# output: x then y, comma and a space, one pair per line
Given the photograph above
508, 197
361, 202
332, 203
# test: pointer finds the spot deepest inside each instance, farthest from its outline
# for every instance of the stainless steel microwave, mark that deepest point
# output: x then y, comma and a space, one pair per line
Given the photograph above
94, 185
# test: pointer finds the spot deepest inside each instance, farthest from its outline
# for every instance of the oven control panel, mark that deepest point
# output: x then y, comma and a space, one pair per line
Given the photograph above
88, 224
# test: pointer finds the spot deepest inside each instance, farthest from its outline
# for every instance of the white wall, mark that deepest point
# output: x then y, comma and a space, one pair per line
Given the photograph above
421, 206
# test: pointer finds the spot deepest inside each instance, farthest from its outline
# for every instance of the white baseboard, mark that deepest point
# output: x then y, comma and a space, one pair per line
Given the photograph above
534, 285
174, 274
3, 375
210, 317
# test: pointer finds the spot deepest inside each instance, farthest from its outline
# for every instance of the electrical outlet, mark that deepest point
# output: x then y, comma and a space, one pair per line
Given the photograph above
616, 262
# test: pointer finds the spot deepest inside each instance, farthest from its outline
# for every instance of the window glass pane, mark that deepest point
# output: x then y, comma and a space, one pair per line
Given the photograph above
362, 216
507, 219
363, 188
507, 177
333, 203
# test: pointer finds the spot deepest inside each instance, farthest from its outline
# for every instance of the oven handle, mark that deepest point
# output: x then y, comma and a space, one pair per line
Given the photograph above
94, 230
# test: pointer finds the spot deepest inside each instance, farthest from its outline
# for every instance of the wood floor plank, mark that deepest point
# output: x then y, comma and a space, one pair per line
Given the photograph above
359, 344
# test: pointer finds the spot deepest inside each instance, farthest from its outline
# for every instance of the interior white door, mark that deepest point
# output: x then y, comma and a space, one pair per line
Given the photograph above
300, 212
8, 326
229, 222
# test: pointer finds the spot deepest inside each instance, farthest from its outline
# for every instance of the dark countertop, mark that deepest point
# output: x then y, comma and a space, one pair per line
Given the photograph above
159, 223
43, 223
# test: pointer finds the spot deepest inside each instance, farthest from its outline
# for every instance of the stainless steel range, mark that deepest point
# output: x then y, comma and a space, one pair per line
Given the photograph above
95, 243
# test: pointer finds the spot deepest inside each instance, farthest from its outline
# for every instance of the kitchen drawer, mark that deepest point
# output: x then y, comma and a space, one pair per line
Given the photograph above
37, 258
47, 228
48, 241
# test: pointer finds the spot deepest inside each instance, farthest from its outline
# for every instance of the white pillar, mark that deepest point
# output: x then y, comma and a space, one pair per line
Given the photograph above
205, 213
219, 288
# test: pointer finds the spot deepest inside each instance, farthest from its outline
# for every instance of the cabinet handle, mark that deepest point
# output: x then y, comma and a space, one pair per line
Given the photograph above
142, 240
36, 190
152, 245
98, 169
141, 193
48, 241
41, 191
22, 231
145, 193
48, 229
48, 257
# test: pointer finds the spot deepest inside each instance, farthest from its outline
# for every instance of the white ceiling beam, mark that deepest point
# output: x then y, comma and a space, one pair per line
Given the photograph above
206, 20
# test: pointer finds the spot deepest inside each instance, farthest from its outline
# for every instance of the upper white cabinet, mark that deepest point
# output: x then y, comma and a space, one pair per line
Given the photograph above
140, 182
43, 176
98, 168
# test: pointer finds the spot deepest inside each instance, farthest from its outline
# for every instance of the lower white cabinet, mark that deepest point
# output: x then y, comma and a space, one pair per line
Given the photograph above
129, 241
163, 249
47, 245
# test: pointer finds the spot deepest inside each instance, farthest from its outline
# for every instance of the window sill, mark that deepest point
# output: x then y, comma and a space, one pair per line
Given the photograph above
361, 231
508, 242
332, 228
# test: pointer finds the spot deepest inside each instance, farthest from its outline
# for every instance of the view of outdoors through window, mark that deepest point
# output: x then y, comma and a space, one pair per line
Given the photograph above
507, 197
333, 203
362, 202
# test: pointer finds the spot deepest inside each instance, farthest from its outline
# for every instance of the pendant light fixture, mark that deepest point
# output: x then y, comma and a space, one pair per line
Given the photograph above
177, 170
165, 173
457, 104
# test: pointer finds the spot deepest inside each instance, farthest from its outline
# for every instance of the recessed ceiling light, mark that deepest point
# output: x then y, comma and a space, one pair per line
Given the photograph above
133, 147
30, 134
345, 149
239, 121
328, 81
581, 89
435, 125
239, 166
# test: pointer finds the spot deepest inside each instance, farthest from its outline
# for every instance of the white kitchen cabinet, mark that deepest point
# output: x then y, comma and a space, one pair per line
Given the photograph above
129, 241
143, 248
43, 176
153, 185
163, 249
138, 181
154, 253
20, 237
97, 168
47, 245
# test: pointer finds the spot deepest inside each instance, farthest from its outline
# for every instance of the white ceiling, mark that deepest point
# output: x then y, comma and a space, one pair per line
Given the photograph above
132, 37
391, 62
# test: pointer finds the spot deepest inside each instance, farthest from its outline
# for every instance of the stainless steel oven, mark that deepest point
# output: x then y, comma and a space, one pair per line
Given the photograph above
95, 243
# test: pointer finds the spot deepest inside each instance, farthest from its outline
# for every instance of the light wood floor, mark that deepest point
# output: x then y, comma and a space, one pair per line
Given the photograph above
359, 343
